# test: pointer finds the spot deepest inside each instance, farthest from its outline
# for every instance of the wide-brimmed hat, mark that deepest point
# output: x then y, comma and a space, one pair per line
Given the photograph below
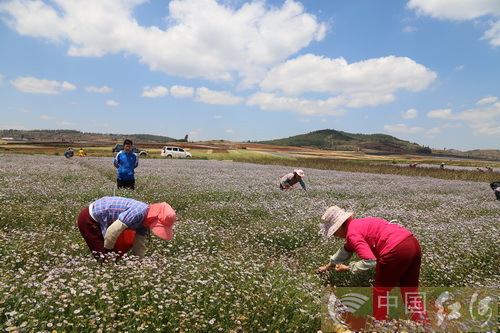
299, 172
160, 219
333, 218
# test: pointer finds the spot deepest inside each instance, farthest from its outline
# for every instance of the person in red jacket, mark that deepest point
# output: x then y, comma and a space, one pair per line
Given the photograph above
387, 247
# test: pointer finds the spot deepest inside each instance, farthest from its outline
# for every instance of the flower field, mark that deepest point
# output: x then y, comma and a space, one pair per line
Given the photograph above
243, 255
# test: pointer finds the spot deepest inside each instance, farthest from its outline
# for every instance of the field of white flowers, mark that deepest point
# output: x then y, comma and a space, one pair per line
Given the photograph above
243, 255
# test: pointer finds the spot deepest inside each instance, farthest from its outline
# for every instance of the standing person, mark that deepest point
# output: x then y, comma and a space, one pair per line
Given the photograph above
292, 178
106, 222
126, 161
389, 248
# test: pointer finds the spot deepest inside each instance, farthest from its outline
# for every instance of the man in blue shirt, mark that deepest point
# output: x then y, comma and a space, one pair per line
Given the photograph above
126, 161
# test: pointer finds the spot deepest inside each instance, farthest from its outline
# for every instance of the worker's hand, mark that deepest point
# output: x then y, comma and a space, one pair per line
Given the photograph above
341, 268
324, 269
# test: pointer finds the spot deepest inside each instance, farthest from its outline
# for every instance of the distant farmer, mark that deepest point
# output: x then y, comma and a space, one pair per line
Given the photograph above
292, 178
116, 224
126, 161
389, 248
442, 165
81, 153
495, 186
69, 153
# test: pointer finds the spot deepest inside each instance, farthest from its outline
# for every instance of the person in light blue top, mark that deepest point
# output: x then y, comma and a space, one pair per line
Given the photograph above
126, 161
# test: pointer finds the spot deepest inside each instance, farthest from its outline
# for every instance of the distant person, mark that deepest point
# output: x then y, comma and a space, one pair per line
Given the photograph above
495, 186
81, 153
292, 178
126, 161
69, 153
388, 248
442, 165
116, 224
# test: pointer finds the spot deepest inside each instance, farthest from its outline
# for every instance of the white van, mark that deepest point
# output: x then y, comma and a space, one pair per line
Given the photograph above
169, 151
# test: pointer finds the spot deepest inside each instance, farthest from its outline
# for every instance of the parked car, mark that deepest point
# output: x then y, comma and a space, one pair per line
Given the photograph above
170, 152
141, 152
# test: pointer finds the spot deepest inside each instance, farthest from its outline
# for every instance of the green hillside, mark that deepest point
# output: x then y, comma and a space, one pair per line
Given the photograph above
77, 136
338, 140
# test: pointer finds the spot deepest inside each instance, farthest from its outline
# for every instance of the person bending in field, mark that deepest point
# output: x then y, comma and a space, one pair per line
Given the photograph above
126, 161
292, 178
388, 248
495, 186
116, 224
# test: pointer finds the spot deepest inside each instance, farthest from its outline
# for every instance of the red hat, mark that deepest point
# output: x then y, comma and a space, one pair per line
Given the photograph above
160, 219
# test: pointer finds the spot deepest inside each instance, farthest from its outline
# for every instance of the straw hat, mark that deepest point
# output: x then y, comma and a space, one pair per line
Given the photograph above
333, 218
299, 172
160, 219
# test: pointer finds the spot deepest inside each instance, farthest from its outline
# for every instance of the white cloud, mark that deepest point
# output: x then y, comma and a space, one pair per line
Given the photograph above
103, 89
485, 120
402, 128
208, 96
487, 100
410, 114
66, 123
408, 29
39, 86
442, 114
217, 117
112, 103
209, 39
229, 131
272, 102
152, 92
459, 68
463, 10
382, 76
182, 91
46, 117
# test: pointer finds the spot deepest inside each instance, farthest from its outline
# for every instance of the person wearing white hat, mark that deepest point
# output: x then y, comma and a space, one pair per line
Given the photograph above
116, 224
387, 247
292, 178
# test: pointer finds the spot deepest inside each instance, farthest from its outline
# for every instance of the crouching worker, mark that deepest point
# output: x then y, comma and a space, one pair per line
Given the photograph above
292, 178
495, 186
116, 224
390, 249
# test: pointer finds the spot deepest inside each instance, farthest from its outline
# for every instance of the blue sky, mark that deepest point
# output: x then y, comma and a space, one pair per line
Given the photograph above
426, 71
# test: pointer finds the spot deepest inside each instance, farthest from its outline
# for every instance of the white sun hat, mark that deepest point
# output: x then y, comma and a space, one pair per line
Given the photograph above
333, 218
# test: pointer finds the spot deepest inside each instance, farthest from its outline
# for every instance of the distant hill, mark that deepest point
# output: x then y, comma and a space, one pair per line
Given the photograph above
77, 136
337, 140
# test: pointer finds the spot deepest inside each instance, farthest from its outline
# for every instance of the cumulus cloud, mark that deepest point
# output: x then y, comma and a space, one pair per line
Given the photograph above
402, 128
273, 102
410, 114
103, 89
207, 39
208, 96
182, 91
463, 10
379, 76
484, 120
40, 86
112, 103
152, 92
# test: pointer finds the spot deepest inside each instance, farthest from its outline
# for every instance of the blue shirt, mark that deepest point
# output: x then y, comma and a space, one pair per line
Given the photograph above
107, 210
126, 164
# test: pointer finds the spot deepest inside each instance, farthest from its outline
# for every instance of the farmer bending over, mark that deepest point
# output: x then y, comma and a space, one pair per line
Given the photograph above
389, 248
116, 224
292, 178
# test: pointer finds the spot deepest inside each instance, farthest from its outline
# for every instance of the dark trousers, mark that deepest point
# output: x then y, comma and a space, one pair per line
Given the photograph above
91, 232
400, 267
130, 184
